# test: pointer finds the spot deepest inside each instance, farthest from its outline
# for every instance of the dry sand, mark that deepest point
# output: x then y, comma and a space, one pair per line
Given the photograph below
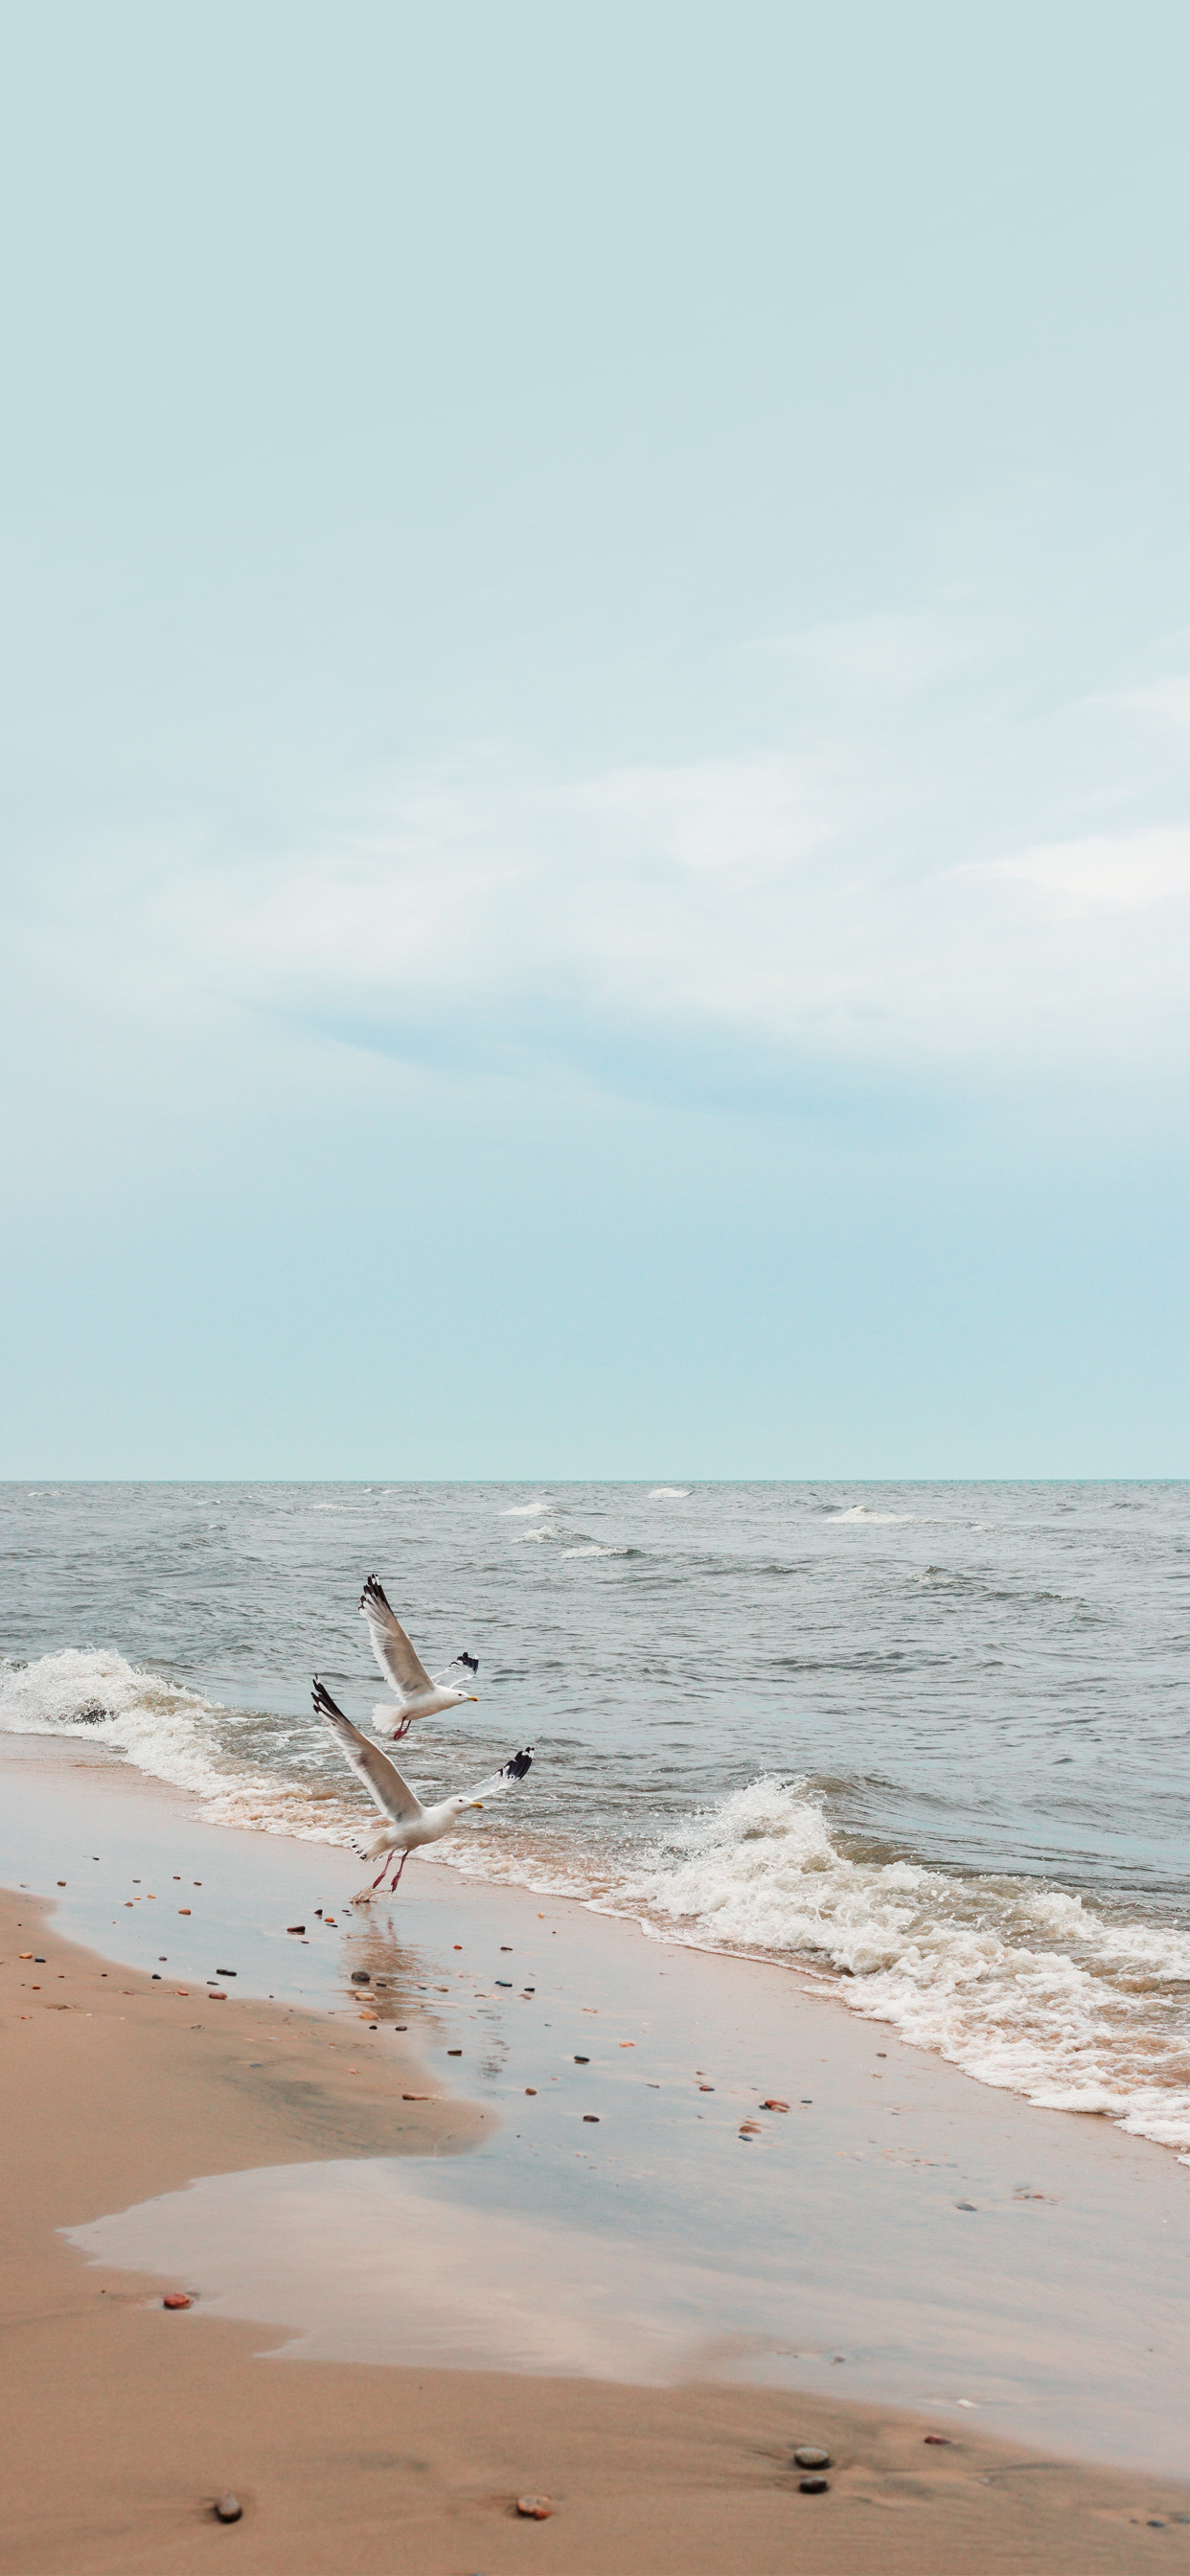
124, 2421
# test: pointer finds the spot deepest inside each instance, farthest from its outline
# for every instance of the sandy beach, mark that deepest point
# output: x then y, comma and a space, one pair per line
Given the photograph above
125, 2420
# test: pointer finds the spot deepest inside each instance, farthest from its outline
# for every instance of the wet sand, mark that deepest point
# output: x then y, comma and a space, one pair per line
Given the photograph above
123, 2421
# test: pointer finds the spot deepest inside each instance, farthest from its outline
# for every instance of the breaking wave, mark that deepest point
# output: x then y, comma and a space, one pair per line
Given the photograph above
226, 1757
1025, 1987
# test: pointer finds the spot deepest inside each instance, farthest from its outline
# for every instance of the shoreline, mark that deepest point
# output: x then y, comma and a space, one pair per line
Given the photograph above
812, 1974
126, 2421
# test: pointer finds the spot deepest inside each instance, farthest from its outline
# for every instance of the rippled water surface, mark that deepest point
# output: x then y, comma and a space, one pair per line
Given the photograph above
929, 1737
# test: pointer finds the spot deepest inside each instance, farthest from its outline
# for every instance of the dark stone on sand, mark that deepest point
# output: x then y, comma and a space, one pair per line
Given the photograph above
810, 2458
295, 1927
593, 2117
361, 1976
814, 2486
177, 2299
582, 2061
227, 1972
228, 2508
942, 2441
535, 2508
966, 2204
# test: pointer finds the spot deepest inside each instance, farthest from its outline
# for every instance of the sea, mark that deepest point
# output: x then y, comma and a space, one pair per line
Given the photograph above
922, 1743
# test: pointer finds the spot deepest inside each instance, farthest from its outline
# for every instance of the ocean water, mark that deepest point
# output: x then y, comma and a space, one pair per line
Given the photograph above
925, 1742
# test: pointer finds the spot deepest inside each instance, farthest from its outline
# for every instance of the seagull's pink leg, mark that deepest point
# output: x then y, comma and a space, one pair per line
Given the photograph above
397, 1880
399, 1731
388, 1860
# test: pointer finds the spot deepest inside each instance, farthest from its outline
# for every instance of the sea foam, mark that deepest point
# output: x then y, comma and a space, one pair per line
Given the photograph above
1028, 1988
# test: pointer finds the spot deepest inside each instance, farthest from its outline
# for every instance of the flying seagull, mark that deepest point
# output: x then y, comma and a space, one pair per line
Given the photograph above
407, 1823
418, 1695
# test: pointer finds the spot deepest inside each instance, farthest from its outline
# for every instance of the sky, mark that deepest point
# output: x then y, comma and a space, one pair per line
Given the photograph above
596, 848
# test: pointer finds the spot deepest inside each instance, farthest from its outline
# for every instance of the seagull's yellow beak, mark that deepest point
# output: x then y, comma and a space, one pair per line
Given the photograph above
477, 1802
474, 1695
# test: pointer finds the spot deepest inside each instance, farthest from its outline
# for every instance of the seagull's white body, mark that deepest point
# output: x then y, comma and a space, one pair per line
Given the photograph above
408, 1824
418, 1693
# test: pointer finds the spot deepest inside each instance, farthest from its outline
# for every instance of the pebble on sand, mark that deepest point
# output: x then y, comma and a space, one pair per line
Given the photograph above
774, 2105
177, 2299
808, 2457
814, 2486
228, 2508
942, 2441
592, 2117
535, 2508
295, 1927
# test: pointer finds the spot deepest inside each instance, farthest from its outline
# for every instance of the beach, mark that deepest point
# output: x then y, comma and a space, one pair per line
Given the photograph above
409, 2311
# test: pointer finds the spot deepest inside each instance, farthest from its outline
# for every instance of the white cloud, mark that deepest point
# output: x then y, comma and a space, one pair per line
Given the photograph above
1126, 873
856, 893
656, 912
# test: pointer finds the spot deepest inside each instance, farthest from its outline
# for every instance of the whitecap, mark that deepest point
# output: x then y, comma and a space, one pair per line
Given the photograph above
171, 1732
669, 1493
523, 1511
1031, 1989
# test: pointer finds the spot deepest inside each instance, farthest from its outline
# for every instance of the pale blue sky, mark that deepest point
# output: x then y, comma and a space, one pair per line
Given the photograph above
597, 682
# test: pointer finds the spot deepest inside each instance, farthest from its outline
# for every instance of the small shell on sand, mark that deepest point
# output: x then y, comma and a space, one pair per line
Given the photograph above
536, 2508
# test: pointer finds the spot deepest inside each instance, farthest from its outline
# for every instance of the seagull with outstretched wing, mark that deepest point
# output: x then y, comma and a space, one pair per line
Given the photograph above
407, 1823
418, 1693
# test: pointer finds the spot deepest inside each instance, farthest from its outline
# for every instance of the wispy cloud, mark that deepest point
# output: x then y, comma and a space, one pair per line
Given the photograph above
716, 923
905, 877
